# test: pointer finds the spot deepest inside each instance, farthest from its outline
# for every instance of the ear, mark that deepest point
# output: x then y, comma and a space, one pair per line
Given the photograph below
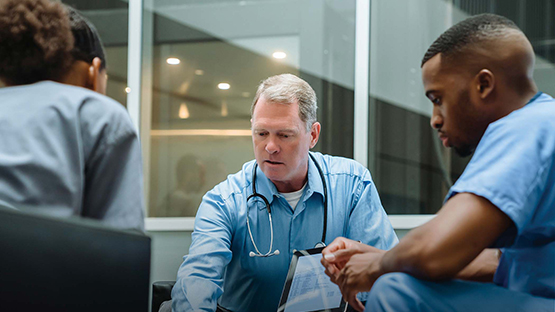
314, 134
96, 80
485, 83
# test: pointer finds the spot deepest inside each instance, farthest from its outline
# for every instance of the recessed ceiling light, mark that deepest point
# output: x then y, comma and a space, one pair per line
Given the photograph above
127, 90
223, 86
279, 55
173, 61
199, 72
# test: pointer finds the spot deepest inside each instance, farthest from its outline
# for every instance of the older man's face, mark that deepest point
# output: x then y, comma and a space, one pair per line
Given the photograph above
281, 143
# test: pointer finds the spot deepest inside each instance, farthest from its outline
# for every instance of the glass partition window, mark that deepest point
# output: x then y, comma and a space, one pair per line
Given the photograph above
203, 61
412, 170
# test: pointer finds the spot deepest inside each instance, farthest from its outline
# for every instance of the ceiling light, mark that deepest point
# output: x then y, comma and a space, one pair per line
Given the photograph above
279, 55
183, 111
173, 61
199, 72
127, 90
223, 86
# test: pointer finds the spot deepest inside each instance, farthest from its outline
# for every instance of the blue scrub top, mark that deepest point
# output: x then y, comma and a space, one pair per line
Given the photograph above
218, 266
514, 168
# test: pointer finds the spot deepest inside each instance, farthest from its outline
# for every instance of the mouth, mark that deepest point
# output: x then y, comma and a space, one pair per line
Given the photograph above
444, 139
271, 162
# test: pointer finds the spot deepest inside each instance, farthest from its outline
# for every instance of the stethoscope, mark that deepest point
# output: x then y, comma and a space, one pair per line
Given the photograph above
255, 194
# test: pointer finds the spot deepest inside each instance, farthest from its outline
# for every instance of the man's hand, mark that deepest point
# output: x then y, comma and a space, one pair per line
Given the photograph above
336, 255
353, 266
359, 274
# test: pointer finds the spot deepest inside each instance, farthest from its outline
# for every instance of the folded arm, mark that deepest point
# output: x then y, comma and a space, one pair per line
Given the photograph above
437, 250
441, 248
481, 269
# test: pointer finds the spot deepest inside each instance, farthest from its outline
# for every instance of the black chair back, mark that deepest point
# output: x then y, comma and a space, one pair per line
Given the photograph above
49, 264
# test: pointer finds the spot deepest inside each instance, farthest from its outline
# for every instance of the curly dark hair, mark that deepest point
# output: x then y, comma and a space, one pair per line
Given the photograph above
35, 41
468, 32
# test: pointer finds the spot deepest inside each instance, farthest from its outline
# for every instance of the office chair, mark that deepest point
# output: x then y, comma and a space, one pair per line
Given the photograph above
51, 264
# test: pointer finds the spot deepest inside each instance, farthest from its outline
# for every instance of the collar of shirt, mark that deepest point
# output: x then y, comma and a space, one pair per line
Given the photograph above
268, 189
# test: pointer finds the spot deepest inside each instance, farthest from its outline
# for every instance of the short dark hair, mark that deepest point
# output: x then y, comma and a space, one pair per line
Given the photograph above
35, 41
87, 41
466, 33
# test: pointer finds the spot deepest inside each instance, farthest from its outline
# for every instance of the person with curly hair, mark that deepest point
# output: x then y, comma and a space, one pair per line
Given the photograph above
65, 150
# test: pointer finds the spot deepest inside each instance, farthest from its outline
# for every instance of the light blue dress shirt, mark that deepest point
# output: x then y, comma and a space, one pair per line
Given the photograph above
218, 267
67, 151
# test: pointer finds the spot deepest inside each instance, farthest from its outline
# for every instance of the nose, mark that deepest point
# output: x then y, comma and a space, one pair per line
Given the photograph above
436, 121
272, 147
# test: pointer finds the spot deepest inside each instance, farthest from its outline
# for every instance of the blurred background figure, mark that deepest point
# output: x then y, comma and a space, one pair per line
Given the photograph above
216, 172
187, 195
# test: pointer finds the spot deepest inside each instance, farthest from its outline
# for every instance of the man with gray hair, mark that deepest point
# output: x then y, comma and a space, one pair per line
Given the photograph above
287, 199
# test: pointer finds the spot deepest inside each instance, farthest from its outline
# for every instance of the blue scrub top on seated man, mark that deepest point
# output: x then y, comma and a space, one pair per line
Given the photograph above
223, 265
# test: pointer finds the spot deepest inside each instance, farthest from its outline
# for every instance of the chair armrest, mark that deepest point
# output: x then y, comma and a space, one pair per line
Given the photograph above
161, 291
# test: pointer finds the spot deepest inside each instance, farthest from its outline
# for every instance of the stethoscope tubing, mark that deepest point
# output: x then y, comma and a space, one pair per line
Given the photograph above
267, 203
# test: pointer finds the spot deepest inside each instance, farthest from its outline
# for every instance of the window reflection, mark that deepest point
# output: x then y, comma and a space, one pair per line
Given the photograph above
208, 57
411, 169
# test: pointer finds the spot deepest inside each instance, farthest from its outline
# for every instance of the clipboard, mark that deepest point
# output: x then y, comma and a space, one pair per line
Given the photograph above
308, 288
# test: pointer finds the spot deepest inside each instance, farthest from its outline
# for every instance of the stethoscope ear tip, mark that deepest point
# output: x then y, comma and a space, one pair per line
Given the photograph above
276, 252
252, 254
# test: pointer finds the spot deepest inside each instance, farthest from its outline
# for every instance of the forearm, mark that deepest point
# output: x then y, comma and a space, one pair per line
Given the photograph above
195, 293
200, 277
405, 257
426, 256
481, 269
444, 246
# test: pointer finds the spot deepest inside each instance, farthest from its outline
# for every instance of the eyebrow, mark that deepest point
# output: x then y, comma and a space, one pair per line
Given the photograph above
280, 130
288, 130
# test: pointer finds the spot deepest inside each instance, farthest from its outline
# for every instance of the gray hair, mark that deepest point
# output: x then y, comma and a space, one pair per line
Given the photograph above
288, 89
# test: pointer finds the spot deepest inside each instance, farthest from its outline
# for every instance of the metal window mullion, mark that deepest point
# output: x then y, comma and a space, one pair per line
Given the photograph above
134, 61
362, 57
